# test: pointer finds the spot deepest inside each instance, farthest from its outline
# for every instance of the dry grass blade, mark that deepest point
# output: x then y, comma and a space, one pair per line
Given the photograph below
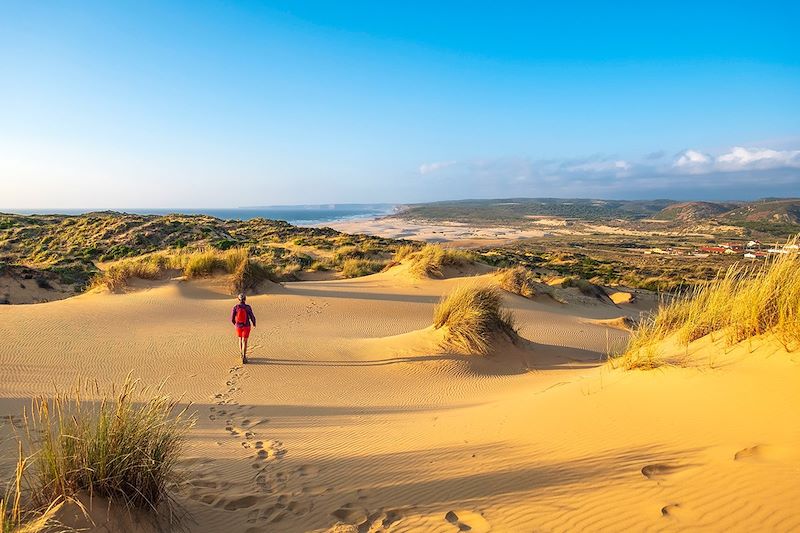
15, 517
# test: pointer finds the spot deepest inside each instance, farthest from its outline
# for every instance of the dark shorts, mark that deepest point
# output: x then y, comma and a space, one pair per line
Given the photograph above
243, 331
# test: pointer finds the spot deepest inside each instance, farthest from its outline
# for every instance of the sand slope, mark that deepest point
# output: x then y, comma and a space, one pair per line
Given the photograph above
351, 418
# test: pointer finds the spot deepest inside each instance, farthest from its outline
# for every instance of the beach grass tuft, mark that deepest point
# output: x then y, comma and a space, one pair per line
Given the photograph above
249, 274
429, 261
742, 302
123, 446
473, 316
517, 280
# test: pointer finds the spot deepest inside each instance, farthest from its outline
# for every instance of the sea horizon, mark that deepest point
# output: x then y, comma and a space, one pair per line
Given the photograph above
299, 215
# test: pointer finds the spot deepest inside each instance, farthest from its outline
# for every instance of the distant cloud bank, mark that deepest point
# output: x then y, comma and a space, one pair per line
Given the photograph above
738, 172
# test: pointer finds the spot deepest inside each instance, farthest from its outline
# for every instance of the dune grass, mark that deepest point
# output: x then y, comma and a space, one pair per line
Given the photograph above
15, 515
123, 447
517, 280
743, 302
429, 261
347, 252
247, 272
473, 316
117, 276
354, 268
403, 251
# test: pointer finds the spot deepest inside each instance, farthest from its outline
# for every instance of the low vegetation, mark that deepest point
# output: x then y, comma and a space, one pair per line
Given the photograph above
246, 273
586, 288
65, 250
473, 316
518, 280
429, 261
742, 302
612, 261
354, 268
117, 276
123, 447
404, 251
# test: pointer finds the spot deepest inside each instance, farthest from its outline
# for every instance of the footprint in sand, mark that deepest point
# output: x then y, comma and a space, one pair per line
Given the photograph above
468, 521
761, 452
669, 510
241, 502
659, 471
364, 520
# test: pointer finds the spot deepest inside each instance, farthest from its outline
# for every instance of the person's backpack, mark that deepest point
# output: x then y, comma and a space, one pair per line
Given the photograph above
241, 315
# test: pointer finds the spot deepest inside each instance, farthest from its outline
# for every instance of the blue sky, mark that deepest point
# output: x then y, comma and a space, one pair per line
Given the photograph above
201, 104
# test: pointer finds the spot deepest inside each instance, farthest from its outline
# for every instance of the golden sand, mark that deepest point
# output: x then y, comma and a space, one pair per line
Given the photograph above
351, 417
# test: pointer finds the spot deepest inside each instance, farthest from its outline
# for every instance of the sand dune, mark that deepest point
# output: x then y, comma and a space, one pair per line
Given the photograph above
352, 417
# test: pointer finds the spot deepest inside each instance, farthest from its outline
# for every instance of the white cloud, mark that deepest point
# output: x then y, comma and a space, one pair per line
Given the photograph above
692, 158
729, 173
758, 158
427, 168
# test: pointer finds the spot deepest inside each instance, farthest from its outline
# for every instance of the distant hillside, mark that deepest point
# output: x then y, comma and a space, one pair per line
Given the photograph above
516, 210
780, 211
692, 212
774, 216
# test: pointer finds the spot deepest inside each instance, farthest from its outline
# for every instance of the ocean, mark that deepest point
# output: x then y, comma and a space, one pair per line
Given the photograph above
299, 215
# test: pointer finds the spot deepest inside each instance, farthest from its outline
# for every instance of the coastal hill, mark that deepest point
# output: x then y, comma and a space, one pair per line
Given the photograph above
54, 256
766, 217
692, 212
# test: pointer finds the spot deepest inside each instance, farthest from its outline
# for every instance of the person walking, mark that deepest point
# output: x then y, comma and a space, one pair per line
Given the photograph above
243, 318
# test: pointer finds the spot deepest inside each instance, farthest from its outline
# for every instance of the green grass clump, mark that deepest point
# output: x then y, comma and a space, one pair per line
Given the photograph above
518, 280
354, 268
741, 303
473, 316
123, 447
429, 261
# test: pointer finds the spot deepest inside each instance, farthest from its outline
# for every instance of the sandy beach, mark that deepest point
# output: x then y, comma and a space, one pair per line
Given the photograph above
352, 418
423, 230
